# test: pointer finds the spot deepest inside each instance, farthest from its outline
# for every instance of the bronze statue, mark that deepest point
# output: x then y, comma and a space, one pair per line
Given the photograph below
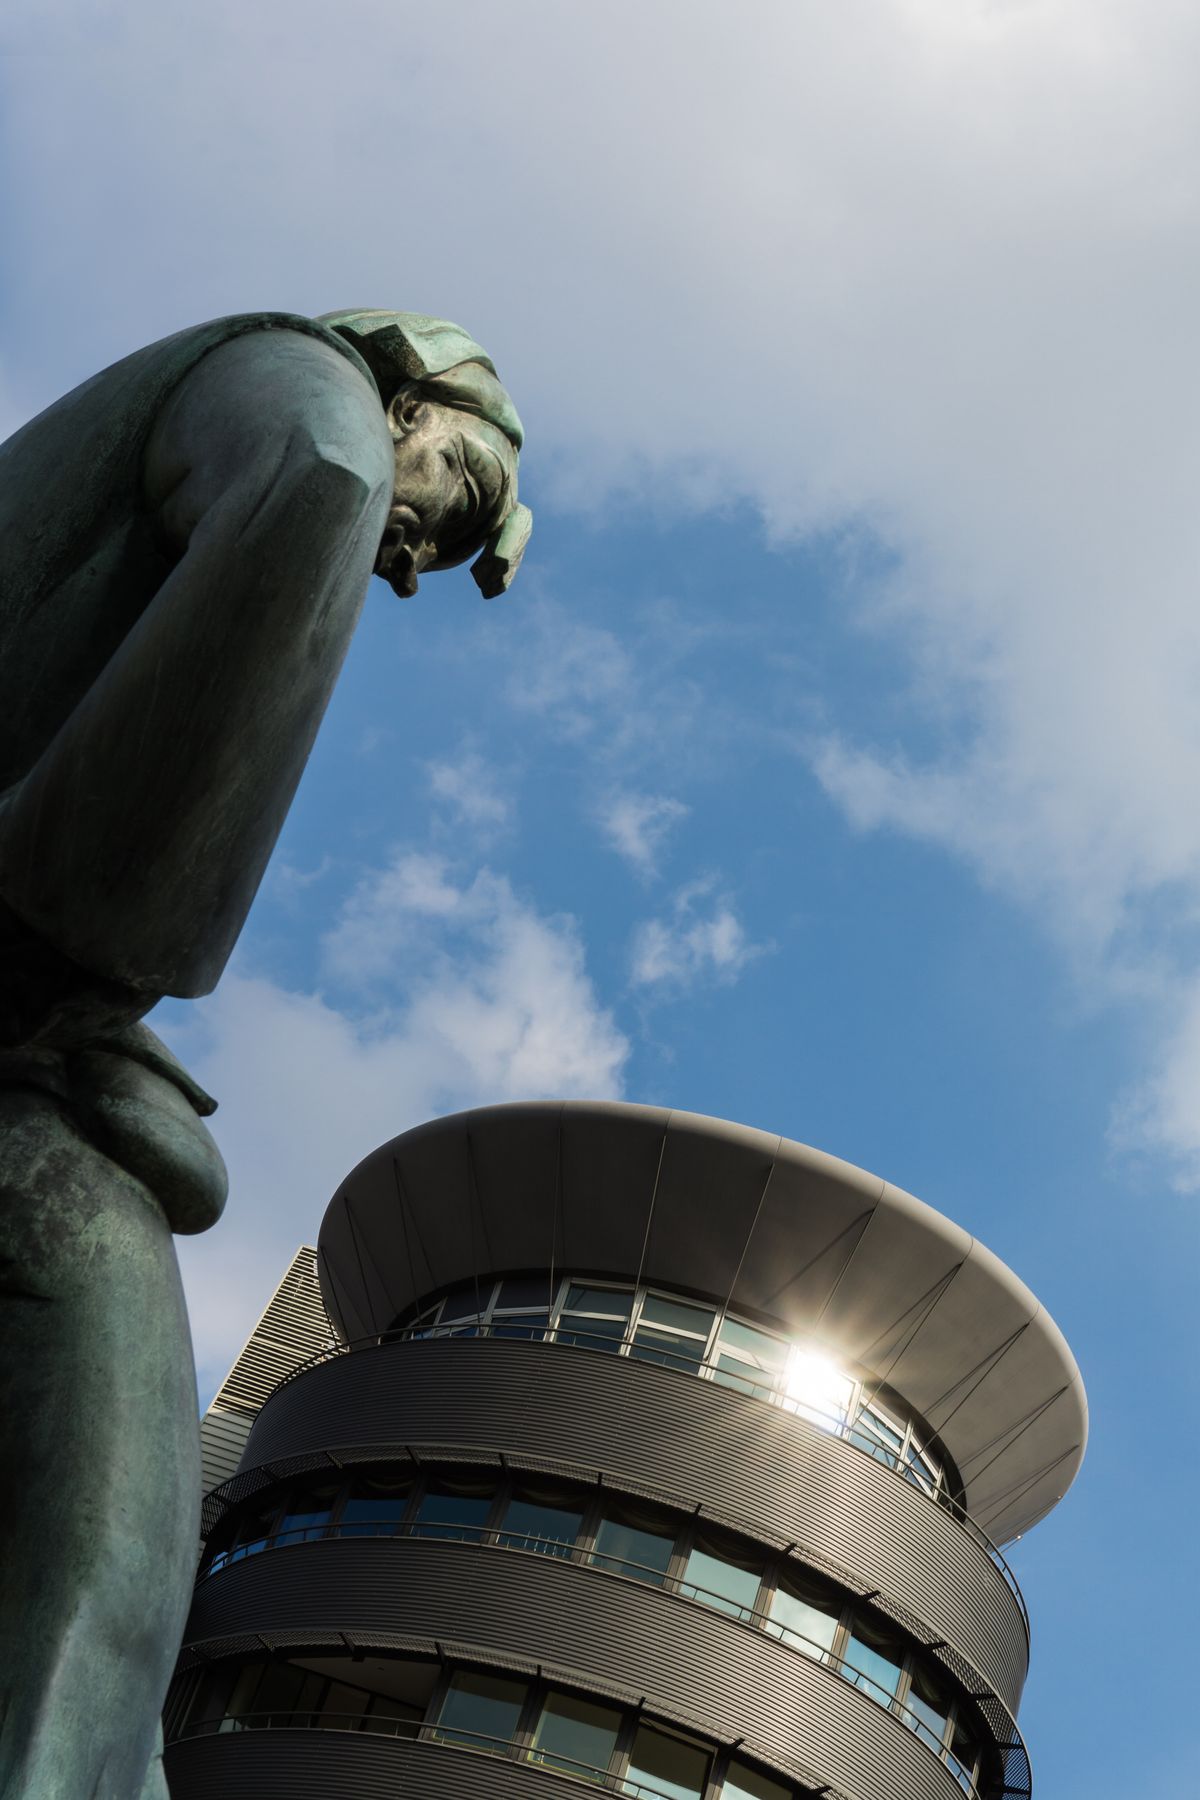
185, 545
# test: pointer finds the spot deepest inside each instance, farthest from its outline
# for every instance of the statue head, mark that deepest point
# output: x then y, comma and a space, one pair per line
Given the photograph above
457, 438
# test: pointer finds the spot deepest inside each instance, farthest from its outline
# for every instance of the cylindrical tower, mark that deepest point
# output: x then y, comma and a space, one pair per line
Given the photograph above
661, 1455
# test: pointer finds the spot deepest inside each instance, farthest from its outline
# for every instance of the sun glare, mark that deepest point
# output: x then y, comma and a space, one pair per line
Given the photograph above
816, 1387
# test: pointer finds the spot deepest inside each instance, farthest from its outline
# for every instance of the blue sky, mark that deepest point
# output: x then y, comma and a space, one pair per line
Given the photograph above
833, 765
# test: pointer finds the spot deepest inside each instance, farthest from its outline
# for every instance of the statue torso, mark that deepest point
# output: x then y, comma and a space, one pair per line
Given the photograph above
79, 559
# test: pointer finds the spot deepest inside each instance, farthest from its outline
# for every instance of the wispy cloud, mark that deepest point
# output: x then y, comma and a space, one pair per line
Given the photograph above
637, 825
701, 939
464, 994
468, 792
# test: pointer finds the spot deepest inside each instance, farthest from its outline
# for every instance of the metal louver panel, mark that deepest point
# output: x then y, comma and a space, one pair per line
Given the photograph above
672, 1437
689, 1663
294, 1326
316, 1765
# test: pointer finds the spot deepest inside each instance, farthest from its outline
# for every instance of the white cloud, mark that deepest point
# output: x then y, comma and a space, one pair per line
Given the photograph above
475, 998
932, 279
637, 825
690, 945
470, 790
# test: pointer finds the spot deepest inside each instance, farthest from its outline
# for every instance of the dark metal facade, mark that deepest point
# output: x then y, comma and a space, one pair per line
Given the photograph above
628, 1428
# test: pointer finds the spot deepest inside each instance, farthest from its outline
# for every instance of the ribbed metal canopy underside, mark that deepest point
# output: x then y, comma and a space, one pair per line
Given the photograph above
777, 1230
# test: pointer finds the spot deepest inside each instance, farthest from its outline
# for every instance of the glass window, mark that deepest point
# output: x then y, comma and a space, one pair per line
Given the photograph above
539, 1522
457, 1510
712, 1577
528, 1325
466, 1302
621, 1545
874, 1662
929, 1703
595, 1318
746, 1359
573, 1732
672, 1332
228, 1694
374, 1506
481, 1710
280, 1691
525, 1293
872, 1433
308, 1513
250, 1534
920, 1468
964, 1751
343, 1707
663, 1765
392, 1718
804, 1617
744, 1783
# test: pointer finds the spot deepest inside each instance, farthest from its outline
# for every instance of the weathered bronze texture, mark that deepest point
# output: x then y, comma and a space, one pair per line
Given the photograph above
185, 546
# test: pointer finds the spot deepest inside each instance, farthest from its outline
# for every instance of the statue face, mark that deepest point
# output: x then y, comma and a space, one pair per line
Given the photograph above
450, 486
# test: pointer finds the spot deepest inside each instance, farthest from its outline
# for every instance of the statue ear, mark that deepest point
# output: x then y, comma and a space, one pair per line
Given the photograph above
404, 409
495, 568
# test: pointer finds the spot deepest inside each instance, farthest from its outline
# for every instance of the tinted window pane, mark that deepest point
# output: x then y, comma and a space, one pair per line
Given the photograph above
675, 1315
757, 1347
928, 1701
466, 1302
731, 1372
392, 1718
483, 1704
874, 1663
371, 1518
591, 1333
344, 1707
659, 1764
243, 1697
573, 1731
279, 1690
965, 1750
802, 1621
743, 1783
598, 1300
618, 1544
520, 1325
667, 1348
532, 1291
720, 1583
308, 1514
528, 1523
453, 1510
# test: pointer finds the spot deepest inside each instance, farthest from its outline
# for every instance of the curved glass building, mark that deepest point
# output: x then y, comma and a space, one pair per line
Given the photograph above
659, 1456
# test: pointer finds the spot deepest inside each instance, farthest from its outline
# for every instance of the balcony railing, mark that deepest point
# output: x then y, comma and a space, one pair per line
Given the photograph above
417, 1731
564, 1550
851, 1430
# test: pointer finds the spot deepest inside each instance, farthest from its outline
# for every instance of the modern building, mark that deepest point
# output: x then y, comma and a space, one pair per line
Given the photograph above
658, 1455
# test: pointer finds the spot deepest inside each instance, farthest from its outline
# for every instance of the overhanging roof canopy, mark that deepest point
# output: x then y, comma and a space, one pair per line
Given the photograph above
776, 1229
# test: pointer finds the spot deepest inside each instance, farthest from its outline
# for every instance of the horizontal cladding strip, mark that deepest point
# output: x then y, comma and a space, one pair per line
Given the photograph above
690, 1663
314, 1765
742, 1461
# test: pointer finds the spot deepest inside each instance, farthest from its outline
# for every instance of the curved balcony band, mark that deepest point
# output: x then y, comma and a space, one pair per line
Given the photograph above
488, 1537
655, 1432
295, 1763
684, 1662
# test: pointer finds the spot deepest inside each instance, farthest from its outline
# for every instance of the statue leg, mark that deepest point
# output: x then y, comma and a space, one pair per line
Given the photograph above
136, 843
99, 1504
